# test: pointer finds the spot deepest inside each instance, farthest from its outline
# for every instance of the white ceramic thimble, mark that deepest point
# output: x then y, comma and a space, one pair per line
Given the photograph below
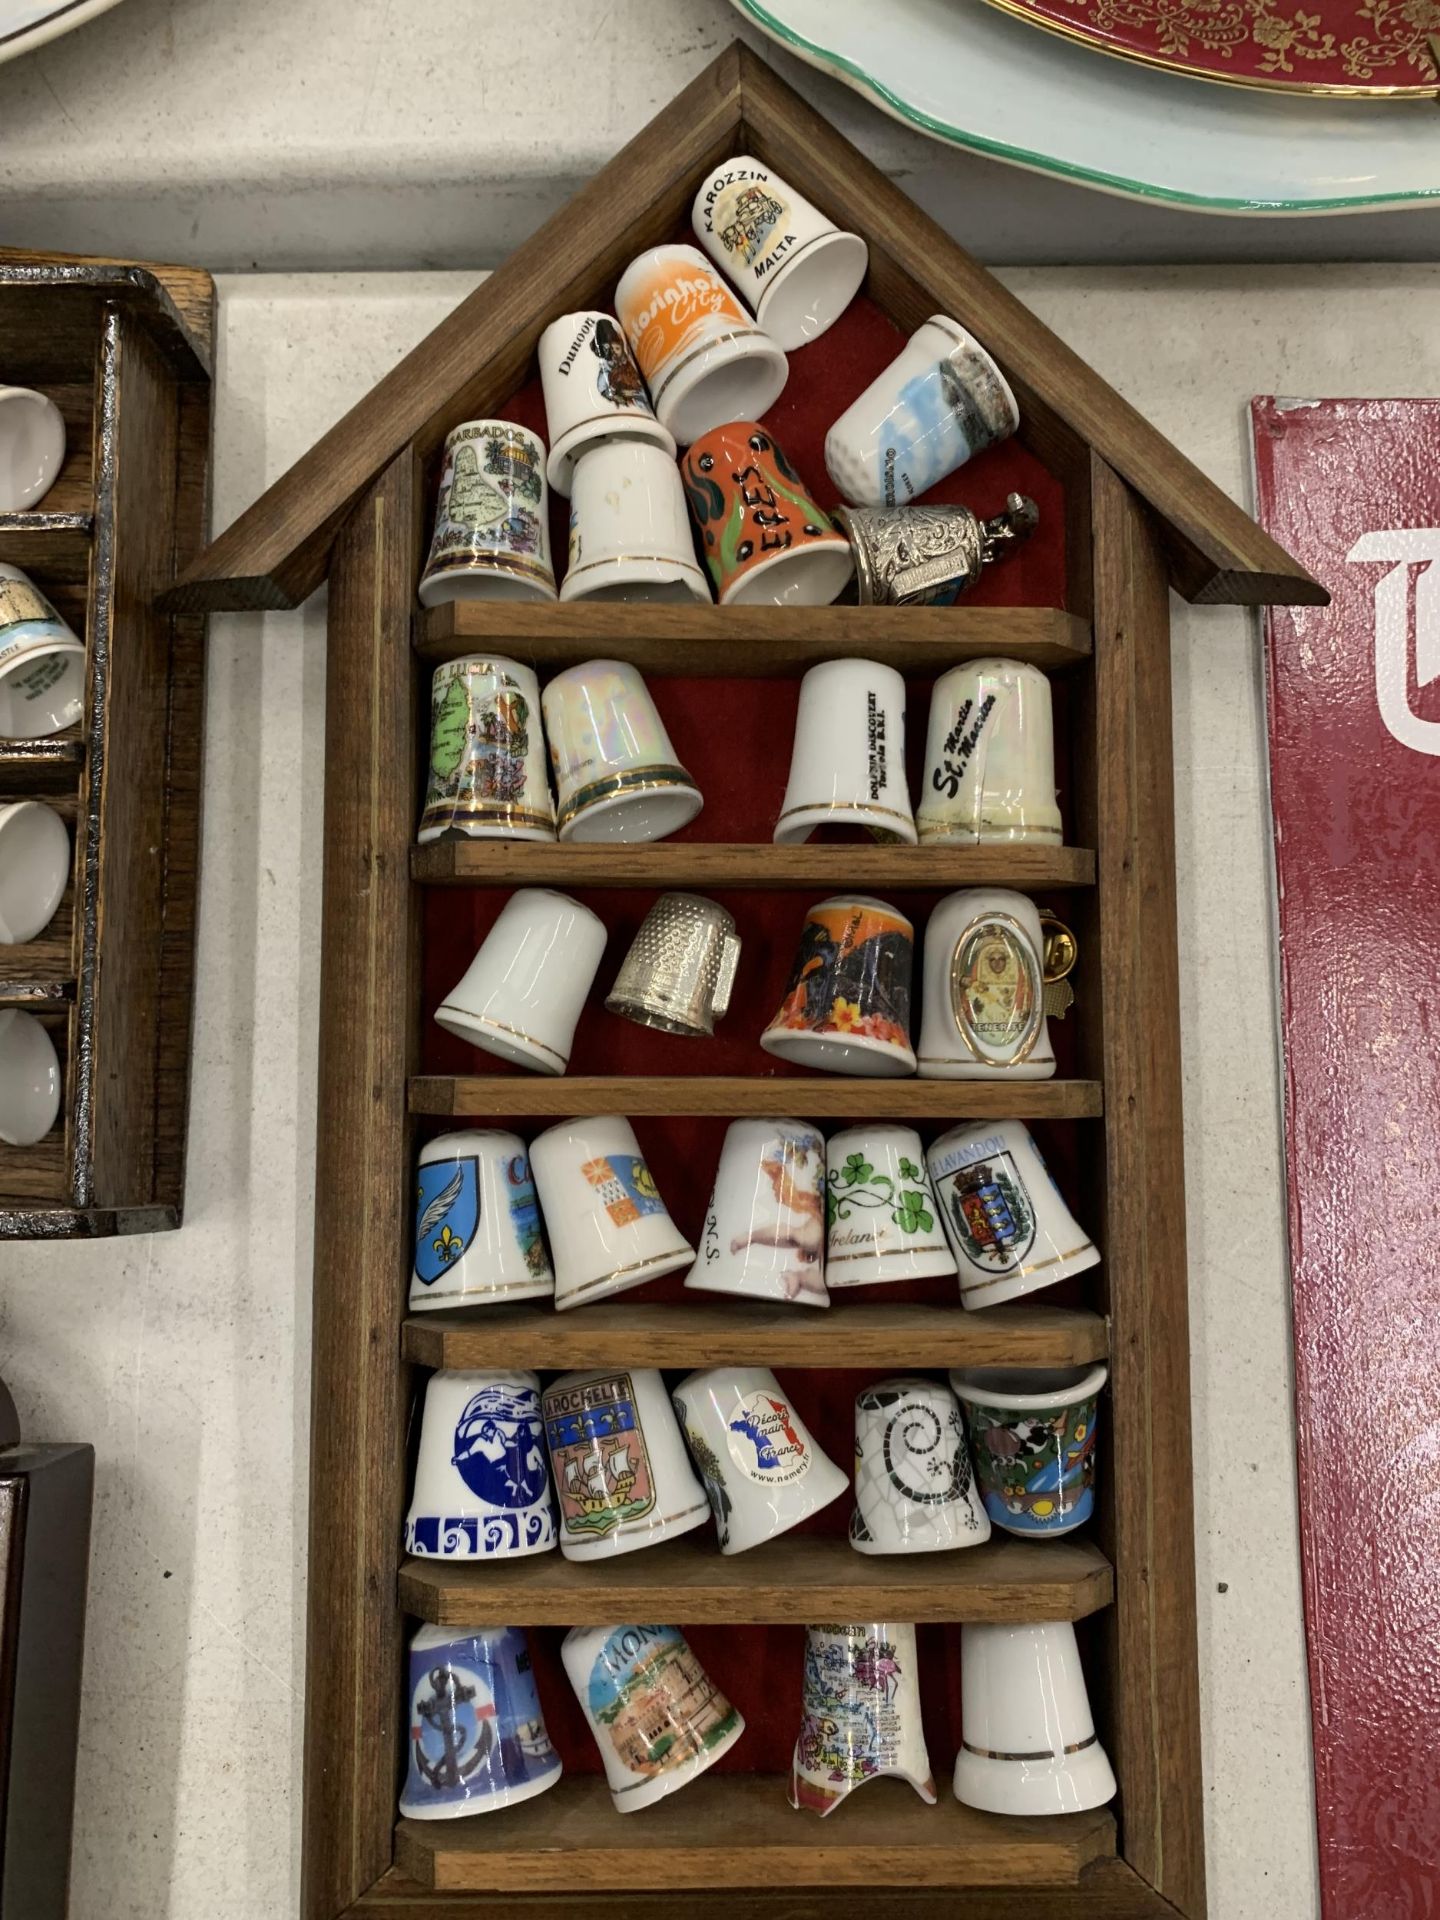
764, 1235
32, 448
488, 776
983, 1013
42, 663
1027, 1738
847, 764
492, 525
477, 1735
29, 1079
482, 1488
914, 1488
608, 1227
881, 1219
622, 1477
34, 869
860, 1715
630, 528
1008, 1227
478, 1236
521, 995
989, 758
616, 774
762, 1469
593, 392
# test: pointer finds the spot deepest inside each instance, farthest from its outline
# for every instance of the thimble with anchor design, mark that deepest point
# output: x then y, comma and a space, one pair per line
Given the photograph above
680, 969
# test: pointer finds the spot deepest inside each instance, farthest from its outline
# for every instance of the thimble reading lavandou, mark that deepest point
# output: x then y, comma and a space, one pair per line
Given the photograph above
680, 968
487, 754
928, 556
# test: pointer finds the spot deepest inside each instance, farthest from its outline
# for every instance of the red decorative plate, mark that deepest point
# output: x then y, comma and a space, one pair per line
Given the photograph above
1370, 48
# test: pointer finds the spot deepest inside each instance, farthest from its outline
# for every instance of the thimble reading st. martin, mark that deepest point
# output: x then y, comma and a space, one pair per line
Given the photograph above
1027, 1738
482, 1488
477, 1736
680, 969
928, 556
1007, 1223
764, 1235
914, 1488
488, 775
622, 1476
989, 758
984, 1002
860, 1715
478, 1236
492, 531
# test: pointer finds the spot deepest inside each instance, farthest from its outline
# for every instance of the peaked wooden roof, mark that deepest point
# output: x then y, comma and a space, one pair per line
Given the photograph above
277, 552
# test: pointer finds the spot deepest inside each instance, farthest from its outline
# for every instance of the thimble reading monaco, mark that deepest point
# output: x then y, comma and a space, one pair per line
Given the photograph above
914, 1488
762, 1469
478, 1236
797, 270
477, 1735
42, 664
1032, 1431
1027, 1738
622, 1476
34, 869
29, 1079
629, 529
847, 1002
680, 969
860, 1715
521, 995
764, 1235
608, 1227
704, 359
847, 764
928, 556
657, 1717
616, 774
880, 1214
488, 775
482, 1489
990, 758
765, 540
984, 1010
593, 392
492, 531
1009, 1229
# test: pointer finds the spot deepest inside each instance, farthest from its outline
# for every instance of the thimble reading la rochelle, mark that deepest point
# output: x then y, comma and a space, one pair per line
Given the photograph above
487, 754
680, 969
860, 1715
622, 1476
1027, 1739
477, 1735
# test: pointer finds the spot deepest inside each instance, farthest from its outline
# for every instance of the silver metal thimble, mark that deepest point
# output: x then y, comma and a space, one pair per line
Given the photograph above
917, 556
680, 968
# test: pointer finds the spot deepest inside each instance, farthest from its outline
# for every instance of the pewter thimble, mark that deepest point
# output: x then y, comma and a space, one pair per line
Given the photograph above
923, 556
680, 968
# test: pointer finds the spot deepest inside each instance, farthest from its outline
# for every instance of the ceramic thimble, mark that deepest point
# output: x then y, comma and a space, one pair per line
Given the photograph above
32, 448
881, 1220
914, 1489
860, 1715
482, 1488
520, 997
762, 1470
477, 1737
488, 776
680, 969
629, 528
1027, 1738
1008, 1227
1032, 1434
984, 998
796, 270
42, 663
478, 1237
940, 401
29, 1079
657, 1717
989, 758
847, 764
492, 528
616, 773
704, 359
622, 1477
847, 1002
608, 1227
764, 1235
593, 392
34, 869
765, 540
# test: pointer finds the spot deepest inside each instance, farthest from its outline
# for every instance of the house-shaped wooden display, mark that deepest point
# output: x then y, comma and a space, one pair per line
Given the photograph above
1123, 518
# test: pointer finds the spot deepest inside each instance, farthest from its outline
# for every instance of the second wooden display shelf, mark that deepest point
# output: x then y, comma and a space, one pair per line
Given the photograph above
817, 1096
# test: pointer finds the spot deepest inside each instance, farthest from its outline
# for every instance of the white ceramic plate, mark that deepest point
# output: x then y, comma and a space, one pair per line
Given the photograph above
27, 24
966, 73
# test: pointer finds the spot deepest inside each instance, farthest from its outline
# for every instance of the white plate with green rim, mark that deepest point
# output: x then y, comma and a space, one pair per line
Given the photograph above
974, 77
27, 24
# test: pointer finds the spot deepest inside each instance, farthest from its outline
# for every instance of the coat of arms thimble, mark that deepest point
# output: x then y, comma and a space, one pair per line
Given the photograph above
1008, 1227
478, 1234
622, 1476
914, 1487
680, 969
860, 1715
477, 1735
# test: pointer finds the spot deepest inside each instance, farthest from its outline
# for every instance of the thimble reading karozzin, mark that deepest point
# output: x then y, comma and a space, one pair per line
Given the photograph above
680, 969
927, 556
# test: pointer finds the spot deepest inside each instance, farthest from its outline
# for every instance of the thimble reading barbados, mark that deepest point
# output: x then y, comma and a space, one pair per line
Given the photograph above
521, 995
478, 1236
42, 663
622, 1476
765, 540
1027, 1738
492, 531
477, 1735
704, 359
860, 1715
984, 1008
680, 969
616, 775
764, 1235
482, 1489
1032, 1431
609, 1229
847, 764
881, 1219
847, 1002
488, 776
990, 758
657, 1717
593, 393
762, 1469
1008, 1227
914, 1489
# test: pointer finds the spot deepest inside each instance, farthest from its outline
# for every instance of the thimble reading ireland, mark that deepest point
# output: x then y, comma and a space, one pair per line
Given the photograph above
984, 1011
492, 532
487, 754
881, 1219
477, 1735
622, 1476
847, 765
764, 1235
593, 392
914, 1489
1009, 1229
765, 540
521, 995
847, 1002
478, 1236
658, 1718
860, 1715
1032, 1430
615, 770
1027, 1738
629, 530
482, 1489
762, 1470
609, 1229
42, 663
990, 758
680, 969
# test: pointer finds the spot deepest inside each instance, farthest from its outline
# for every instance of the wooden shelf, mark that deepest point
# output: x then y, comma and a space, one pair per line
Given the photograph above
763, 642
51, 547
795, 1578
501, 863
41, 766
696, 1332
739, 1829
38, 996
815, 1096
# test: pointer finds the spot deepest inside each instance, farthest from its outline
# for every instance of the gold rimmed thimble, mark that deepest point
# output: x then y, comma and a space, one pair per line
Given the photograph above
680, 969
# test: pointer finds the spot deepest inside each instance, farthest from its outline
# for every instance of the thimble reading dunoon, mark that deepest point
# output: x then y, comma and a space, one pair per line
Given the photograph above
609, 1229
477, 1735
764, 1235
488, 775
765, 540
914, 1488
928, 556
990, 758
881, 1219
762, 1469
478, 1236
1027, 1738
1033, 1430
616, 774
492, 532
847, 1002
482, 1489
42, 663
622, 1476
522, 994
593, 392
984, 1005
680, 968
1008, 1227
847, 763
860, 1715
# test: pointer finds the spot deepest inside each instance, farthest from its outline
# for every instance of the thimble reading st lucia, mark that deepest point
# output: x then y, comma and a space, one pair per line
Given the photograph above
765, 540
990, 758
680, 969
521, 996
492, 531
847, 764
42, 663
762, 1470
609, 1229
487, 754
1027, 1738
847, 1002
984, 1012
657, 1717
860, 1715
1033, 1434
615, 770
764, 1235
482, 1489
593, 392
478, 1236
629, 530
880, 1214
914, 1489
477, 1736
622, 1476
1008, 1227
